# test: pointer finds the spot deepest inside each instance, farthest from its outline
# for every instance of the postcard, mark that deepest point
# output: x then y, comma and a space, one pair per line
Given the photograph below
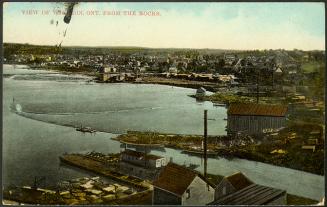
163, 103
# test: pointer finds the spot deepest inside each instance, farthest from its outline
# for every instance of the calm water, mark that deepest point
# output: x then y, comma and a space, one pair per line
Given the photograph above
33, 143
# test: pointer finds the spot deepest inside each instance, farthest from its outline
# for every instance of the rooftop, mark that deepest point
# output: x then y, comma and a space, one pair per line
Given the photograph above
257, 109
251, 195
201, 90
140, 154
175, 178
239, 181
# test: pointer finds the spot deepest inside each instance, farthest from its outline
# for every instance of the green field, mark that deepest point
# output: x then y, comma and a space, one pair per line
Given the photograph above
311, 67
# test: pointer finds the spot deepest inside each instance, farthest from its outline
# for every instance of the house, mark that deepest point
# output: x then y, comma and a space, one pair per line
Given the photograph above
278, 70
237, 189
229, 57
173, 70
200, 92
141, 159
104, 77
231, 184
109, 69
254, 119
226, 78
177, 185
309, 147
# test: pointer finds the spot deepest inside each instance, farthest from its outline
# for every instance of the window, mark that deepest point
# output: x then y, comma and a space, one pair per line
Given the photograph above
224, 190
188, 193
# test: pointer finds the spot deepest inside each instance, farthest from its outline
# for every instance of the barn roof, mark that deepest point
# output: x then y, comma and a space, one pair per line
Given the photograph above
251, 195
175, 178
257, 109
239, 181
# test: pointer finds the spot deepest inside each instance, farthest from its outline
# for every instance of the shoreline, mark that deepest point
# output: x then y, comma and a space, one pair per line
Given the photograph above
243, 154
209, 86
227, 153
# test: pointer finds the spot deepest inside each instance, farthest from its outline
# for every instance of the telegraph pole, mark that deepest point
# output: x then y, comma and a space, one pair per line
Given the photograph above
205, 143
257, 87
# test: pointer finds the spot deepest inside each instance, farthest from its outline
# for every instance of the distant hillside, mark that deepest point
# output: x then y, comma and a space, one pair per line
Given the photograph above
15, 48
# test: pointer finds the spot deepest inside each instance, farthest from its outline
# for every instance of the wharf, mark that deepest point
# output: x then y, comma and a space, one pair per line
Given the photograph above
98, 167
79, 191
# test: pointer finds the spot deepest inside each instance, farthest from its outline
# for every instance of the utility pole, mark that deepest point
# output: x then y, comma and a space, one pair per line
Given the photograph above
145, 156
273, 78
205, 143
257, 87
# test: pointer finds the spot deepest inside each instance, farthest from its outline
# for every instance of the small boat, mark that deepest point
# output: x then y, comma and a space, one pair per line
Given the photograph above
219, 104
86, 129
200, 153
225, 119
89, 82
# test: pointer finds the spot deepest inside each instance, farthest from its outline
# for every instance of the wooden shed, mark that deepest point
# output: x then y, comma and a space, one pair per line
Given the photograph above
251, 118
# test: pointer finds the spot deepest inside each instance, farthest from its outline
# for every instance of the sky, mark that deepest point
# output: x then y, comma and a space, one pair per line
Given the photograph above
217, 25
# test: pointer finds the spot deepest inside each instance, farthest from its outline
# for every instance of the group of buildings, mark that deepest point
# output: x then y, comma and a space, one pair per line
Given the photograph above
178, 185
224, 63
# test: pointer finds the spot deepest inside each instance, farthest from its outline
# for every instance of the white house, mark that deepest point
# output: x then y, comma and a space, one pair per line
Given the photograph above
173, 70
109, 69
177, 185
141, 159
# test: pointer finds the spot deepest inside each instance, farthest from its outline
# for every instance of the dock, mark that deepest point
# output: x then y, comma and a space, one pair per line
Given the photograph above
98, 167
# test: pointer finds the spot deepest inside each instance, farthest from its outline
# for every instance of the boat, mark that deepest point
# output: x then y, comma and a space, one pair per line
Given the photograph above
200, 153
86, 129
219, 104
89, 82
149, 145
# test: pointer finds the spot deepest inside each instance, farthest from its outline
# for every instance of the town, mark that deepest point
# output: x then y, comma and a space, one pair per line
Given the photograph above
275, 114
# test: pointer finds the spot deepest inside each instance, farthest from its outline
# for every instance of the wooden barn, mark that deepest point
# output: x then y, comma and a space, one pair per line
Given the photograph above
177, 185
254, 119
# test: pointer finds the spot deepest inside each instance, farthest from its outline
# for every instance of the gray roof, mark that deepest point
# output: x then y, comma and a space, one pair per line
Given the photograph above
251, 195
201, 90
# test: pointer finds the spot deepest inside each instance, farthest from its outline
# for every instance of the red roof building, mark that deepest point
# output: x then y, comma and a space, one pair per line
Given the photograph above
253, 118
177, 185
